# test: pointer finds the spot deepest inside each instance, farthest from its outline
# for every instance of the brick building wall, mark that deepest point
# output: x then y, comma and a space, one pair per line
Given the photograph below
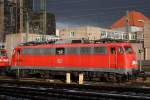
147, 40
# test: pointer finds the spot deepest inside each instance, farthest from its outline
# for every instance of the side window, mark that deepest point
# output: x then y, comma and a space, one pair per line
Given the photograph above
60, 51
120, 50
38, 51
85, 50
29, 51
100, 50
128, 49
113, 50
72, 50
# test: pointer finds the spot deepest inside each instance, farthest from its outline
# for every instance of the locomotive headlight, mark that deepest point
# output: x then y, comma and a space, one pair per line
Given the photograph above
5, 60
134, 62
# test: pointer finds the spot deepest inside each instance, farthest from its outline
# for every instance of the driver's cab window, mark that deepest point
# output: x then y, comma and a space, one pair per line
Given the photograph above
113, 50
18, 51
120, 50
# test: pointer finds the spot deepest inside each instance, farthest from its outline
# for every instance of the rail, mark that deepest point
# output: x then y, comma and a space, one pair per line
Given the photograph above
43, 90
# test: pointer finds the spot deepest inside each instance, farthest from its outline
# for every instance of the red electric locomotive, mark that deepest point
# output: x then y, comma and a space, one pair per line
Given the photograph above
93, 59
4, 62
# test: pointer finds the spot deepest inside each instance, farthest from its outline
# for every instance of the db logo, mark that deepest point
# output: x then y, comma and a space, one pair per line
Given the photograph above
59, 61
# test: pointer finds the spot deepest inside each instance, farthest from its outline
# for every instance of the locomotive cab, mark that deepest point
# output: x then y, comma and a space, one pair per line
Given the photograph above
4, 62
130, 55
131, 61
123, 58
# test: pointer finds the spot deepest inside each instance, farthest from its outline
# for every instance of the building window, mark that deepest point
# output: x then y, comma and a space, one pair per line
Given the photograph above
133, 36
125, 37
103, 34
142, 36
72, 34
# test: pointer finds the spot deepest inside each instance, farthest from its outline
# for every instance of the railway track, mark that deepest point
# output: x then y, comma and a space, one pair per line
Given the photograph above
41, 90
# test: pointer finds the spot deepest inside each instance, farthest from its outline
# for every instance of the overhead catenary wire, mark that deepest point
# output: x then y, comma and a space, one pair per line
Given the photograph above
68, 2
113, 9
58, 2
104, 8
102, 14
58, 9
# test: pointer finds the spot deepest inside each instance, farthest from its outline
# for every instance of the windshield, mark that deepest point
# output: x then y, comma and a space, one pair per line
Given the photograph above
128, 49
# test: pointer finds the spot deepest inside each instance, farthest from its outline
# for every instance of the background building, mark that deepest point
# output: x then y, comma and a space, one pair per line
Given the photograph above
133, 24
147, 40
92, 33
13, 18
8, 17
81, 32
1, 20
36, 23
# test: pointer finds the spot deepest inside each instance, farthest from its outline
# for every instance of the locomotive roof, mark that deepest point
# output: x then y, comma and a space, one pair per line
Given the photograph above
74, 45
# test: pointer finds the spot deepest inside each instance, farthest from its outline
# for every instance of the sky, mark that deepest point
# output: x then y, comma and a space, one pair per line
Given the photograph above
102, 13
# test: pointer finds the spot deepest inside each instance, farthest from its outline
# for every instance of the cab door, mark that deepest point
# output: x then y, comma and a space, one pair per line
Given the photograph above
18, 57
120, 57
113, 57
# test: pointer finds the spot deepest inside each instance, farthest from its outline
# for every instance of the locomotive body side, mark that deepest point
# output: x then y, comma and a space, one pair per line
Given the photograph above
118, 58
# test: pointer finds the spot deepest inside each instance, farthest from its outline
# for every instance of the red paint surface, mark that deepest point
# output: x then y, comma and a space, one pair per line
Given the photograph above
76, 60
4, 61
